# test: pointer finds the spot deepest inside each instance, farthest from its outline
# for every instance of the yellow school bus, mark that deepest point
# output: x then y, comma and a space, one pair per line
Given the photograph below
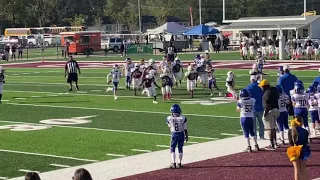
42, 30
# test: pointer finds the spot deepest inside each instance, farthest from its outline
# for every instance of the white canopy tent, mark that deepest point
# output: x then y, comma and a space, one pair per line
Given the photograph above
169, 27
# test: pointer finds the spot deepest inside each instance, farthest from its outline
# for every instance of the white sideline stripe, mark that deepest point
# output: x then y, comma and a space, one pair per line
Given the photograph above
3, 178
141, 150
60, 165
26, 170
109, 130
228, 134
119, 110
20, 98
116, 155
190, 142
47, 155
164, 146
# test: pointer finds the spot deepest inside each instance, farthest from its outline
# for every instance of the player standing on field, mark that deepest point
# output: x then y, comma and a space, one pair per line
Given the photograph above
178, 127
116, 75
72, 68
2, 81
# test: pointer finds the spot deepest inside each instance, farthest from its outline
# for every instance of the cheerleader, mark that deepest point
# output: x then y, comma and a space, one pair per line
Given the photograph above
277, 47
244, 50
271, 47
299, 50
299, 150
287, 48
316, 50
263, 47
308, 47
294, 49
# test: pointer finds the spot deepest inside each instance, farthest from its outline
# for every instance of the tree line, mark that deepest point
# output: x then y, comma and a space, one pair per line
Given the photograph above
40, 13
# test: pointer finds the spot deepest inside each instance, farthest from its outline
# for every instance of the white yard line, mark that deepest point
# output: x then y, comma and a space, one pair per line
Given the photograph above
228, 134
164, 146
5, 100
47, 155
96, 90
35, 96
117, 110
190, 142
26, 170
141, 150
60, 165
116, 155
20, 98
109, 130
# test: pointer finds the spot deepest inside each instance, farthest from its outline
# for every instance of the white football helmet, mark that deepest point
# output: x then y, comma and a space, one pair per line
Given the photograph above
230, 74
263, 38
136, 66
149, 77
151, 62
190, 68
270, 37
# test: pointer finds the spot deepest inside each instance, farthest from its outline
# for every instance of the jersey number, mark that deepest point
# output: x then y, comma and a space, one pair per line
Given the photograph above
282, 103
303, 102
176, 126
248, 108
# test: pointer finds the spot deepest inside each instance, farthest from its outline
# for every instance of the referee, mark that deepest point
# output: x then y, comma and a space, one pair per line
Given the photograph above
72, 69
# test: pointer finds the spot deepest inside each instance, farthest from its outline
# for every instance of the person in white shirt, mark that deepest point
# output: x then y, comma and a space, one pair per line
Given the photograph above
283, 119
115, 75
127, 70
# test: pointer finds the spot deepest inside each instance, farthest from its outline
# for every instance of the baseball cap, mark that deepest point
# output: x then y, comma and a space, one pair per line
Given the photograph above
264, 82
286, 67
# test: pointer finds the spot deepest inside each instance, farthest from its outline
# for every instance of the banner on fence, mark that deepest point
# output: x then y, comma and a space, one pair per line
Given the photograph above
140, 49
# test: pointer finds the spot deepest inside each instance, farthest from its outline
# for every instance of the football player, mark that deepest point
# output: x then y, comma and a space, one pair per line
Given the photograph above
245, 106
287, 48
282, 120
201, 71
298, 50
316, 50
230, 84
260, 60
191, 77
162, 64
211, 80
177, 70
136, 78
300, 104
264, 47
308, 47
166, 84
149, 83
178, 127
280, 72
127, 69
142, 65
313, 108
277, 42
116, 75
271, 47
2, 81
251, 48
244, 50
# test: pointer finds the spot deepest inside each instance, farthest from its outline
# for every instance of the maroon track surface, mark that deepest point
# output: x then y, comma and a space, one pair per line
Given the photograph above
273, 165
216, 64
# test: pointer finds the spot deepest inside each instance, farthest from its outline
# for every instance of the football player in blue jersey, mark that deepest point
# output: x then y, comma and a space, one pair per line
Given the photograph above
178, 127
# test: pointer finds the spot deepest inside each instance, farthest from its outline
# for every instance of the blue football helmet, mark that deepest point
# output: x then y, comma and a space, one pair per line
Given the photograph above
280, 88
128, 59
175, 109
311, 90
318, 88
244, 93
280, 68
315, 84
198, 56
299, 88
298, 82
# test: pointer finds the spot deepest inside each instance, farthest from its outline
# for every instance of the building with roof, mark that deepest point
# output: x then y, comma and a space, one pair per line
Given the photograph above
298, 29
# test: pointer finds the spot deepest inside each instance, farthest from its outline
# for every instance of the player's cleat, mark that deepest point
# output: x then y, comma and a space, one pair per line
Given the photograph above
115, 97
179, 166
77, 88
211, 95
108, 89
220, 94
270, 147
70, 90
172, 166
256, 147
248, 149
155, 102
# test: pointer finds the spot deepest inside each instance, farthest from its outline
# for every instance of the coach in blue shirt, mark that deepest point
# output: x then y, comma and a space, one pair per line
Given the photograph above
257, 93
287, 80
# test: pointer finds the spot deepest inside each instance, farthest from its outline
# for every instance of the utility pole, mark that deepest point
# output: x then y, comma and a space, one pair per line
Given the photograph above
140, 23
200, 13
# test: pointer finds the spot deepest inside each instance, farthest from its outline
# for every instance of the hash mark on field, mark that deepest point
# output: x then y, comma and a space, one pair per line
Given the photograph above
96, 90
141, 150
15, 74
52, 95
164, 146
36, 72
26, 170
25, 73
229, 134
60, 165
190, 142
20, 98
116, 155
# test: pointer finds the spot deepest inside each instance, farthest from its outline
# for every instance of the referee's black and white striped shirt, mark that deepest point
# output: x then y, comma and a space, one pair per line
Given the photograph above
72, 66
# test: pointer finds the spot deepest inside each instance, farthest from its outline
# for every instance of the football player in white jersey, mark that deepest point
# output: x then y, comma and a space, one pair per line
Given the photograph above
300, 104
313, 108
201, 67
191, 77
245, 106
142, 65
115, 75
244, 50
212, 80
2, 81
127, 69
230, 84
261, 60
178, 127
162, 64
283, 119
136, 76
177, 70
166, 83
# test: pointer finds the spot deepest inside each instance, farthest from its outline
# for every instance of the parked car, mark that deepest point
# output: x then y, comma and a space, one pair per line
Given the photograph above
112, 44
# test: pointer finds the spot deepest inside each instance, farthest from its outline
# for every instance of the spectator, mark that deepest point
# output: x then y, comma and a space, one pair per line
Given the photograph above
287, 82
171, 52
190, 43
271, 110
257, 93
32, 176
81, 174
14, 50
218, 45
7, 51
122, 49
20, 51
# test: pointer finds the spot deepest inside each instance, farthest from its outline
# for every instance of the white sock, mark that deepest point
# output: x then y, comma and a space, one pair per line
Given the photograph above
248, 141
255, 140
180, 157
282, 135
173, 157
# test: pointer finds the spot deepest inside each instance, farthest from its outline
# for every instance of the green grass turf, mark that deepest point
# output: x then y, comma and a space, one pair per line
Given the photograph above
97, 139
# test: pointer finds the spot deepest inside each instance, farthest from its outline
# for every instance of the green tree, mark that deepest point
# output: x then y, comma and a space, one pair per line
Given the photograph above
78, 20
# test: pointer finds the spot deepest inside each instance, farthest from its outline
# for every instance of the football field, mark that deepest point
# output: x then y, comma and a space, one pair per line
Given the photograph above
43, 127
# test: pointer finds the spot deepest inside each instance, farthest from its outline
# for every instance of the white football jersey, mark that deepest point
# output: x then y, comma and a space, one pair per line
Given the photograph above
313, 103
128, 68
230, 82
246, 107
260, 60
300, 100
283, 101
177, 124
116, 75
317, 96
142, 67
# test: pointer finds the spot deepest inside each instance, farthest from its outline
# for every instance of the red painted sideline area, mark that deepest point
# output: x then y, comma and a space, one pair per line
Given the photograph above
216, 64
273, 165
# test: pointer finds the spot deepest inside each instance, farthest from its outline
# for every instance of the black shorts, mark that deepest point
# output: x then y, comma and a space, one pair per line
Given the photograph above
170, 57
72, 77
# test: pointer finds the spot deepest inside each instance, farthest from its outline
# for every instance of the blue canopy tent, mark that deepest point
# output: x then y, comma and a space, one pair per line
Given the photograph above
201, 30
